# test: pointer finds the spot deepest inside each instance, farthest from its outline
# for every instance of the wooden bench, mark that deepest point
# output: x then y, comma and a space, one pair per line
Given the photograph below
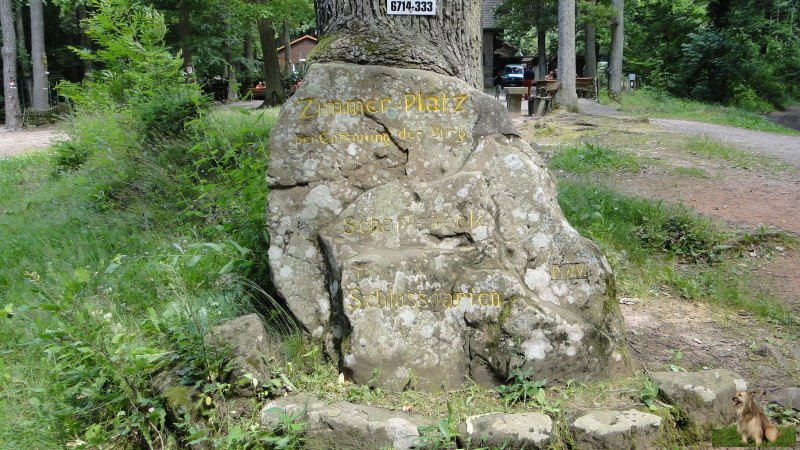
540, 103
32, 117
514, 98
586, 87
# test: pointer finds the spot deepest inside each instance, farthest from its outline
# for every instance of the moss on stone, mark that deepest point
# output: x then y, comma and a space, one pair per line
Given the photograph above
323, 45
179, 399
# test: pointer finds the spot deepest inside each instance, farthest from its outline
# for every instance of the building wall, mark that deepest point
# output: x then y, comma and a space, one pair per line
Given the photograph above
299, 50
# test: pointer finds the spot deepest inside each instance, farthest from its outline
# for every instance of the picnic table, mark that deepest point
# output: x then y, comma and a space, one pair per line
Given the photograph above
514, 98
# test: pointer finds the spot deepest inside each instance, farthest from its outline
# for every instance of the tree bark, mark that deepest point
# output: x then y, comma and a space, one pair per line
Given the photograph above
566, 96
361, 32
24, 62
233, 94
86, 43
272, 70
249, 52
541, 40
541, 46
9, 53
184, 34
40, 99
590, 42
617, 42
287, 49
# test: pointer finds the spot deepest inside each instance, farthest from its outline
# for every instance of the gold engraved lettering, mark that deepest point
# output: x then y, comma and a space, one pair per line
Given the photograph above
461, 98
432, 104
423, 299
385, 100
371, 105
304, 113
496, 296
349, 226
409, 100
474, 221
481, 297
570, 271
355, 107
324, 138
354, 295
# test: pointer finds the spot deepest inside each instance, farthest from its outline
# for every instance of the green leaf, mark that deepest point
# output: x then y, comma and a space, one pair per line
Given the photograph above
82, 275
193, 261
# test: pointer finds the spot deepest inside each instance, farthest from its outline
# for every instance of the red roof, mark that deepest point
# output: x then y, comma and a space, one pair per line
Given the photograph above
307, 36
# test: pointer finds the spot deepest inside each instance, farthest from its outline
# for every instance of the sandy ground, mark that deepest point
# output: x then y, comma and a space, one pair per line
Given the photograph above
16, 142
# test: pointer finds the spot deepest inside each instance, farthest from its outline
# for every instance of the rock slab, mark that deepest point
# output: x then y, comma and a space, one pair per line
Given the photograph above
246, 342
509, 431
706, 396
604, 429
344, 425
418, 236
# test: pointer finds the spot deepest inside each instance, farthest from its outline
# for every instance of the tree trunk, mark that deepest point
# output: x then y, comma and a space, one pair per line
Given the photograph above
184, 33
9, 52
86, 43
41, 87
249, 52
272, 70
24, 62
541, 40
287, 49
541, 45
590, 43
566, 96
233, 94
361, 32
617, 42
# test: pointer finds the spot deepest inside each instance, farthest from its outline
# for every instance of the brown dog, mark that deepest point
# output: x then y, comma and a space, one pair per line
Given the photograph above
752, 423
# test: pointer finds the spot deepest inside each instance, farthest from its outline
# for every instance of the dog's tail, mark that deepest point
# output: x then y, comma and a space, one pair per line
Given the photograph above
771, 432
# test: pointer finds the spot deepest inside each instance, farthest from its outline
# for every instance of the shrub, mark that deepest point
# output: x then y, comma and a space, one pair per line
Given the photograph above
165, 113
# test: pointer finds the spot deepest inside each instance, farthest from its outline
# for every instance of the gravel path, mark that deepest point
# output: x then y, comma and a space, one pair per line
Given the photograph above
781, 146
16, 142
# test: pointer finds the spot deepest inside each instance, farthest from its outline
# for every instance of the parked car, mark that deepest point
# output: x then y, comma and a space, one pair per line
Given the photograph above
512, 75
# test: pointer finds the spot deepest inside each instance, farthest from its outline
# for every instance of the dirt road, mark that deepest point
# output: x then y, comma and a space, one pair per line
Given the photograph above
16, 142
781, 146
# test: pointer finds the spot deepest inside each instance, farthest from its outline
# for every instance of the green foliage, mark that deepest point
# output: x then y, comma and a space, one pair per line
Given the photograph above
69, 156
104, 370
228, 187
441, 435
587, 157
520, 387
649, 394
166, 112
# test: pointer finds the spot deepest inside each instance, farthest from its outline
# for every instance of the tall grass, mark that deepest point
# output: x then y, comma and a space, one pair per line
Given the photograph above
138, 257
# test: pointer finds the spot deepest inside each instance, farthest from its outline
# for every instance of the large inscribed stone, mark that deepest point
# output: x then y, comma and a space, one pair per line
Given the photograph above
417, 235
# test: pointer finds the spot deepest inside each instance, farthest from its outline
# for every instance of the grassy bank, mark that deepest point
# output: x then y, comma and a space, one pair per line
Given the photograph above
652, 103
86, 274
654, 246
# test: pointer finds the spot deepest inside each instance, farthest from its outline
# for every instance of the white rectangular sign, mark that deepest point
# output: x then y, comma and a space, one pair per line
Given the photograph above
411, 7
